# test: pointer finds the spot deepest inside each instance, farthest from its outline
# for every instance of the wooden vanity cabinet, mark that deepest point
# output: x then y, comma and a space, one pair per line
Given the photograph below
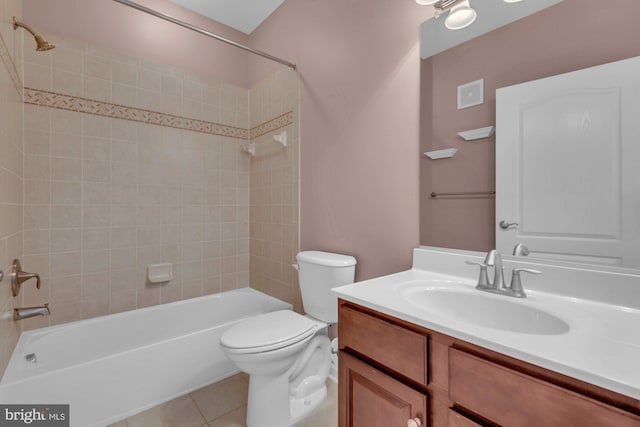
392, 371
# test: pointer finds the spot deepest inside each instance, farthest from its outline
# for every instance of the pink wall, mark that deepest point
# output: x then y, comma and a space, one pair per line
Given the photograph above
571, 35
359, 116
119, 28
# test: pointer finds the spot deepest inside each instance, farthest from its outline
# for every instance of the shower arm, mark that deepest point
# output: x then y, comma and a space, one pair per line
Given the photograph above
204, 32
17, 24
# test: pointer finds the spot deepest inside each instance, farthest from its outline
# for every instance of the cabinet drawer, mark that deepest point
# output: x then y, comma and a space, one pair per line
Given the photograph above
397, 348
511, 398
458, 420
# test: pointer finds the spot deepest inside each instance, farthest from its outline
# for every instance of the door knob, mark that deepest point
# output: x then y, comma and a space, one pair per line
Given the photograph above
414, 422
505, 225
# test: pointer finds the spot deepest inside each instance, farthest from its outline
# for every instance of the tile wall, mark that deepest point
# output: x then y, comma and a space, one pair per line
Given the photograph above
11, 170
105, 196
274, 184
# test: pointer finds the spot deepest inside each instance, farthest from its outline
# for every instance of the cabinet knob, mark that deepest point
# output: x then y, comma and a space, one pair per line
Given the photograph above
414, 422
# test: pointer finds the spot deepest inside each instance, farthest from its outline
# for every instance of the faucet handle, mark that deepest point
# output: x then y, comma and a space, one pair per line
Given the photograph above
516, 282
481, 264
18, 277
483, 279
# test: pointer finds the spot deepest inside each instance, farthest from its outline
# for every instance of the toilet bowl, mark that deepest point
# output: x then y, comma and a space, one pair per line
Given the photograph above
287, 355
287, 358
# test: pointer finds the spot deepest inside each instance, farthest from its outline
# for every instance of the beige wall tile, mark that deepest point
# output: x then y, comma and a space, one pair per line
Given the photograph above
67, 59
97, 66
64, 193
66, 264
66, 216
36, 242
65, 144
37, 76
124, 94
124, 73
123, 300
37, 142
37, 216
66, 169
96, 216
66, 82
66, 289
37, 192
97, 89
66, 239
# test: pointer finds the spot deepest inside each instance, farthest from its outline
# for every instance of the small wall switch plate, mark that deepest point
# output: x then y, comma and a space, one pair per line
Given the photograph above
470, 94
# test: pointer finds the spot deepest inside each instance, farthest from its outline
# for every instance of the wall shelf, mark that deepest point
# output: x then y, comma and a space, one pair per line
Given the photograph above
441, 154
480, 133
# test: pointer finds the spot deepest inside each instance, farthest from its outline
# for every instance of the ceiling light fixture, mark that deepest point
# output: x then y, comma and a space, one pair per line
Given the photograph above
461, 15
426, 2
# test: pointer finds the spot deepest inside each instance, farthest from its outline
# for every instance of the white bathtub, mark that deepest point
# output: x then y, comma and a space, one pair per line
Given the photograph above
111, 367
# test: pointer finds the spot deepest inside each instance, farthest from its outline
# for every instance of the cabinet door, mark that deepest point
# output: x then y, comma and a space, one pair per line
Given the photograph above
370, 398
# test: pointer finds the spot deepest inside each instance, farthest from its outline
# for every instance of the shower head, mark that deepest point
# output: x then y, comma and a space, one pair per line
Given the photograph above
41, 43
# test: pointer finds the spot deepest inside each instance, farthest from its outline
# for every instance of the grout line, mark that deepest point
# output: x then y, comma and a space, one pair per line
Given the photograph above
198, 408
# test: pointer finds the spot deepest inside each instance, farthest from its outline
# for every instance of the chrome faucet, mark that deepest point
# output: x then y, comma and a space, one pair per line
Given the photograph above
494, 259
27, 312
498, 285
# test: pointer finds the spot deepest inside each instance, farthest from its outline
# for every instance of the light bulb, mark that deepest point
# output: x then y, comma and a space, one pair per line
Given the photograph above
460, 16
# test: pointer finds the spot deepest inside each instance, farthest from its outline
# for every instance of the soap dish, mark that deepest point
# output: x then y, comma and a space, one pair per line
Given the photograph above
441, 154
160, 273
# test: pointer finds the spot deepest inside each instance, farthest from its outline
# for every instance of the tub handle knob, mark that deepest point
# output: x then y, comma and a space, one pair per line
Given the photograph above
18, 277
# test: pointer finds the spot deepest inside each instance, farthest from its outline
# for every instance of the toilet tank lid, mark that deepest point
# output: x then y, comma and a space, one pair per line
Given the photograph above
326, 258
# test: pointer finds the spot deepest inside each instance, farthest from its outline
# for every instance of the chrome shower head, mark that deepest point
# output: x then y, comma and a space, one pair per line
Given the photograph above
41, 43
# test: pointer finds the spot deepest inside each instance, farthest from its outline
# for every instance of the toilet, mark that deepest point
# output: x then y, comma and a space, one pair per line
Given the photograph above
287, 355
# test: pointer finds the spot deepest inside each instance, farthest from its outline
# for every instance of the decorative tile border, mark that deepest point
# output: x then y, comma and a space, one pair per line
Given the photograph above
82, 105
45, 98
10, 66
273, 124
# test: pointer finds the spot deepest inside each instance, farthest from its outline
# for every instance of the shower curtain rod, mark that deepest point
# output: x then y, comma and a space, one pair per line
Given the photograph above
204, 32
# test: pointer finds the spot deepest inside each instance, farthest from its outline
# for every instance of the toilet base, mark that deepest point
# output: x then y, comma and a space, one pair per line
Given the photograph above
264, 409
301, 407
281, 400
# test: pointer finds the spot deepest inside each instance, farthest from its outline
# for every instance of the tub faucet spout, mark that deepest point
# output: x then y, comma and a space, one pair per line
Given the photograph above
27, 312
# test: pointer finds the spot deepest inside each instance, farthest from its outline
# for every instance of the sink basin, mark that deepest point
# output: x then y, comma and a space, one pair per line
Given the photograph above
484, 309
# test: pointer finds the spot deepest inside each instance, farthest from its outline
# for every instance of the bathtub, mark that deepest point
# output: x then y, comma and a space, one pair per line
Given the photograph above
108, 368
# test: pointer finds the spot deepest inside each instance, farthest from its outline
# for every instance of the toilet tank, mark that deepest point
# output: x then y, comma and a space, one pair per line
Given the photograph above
319, 272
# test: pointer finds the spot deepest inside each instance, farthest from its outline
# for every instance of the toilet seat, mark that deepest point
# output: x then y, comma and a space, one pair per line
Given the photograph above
268, 332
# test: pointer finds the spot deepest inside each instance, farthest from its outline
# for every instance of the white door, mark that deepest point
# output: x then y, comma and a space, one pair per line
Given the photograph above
568, 165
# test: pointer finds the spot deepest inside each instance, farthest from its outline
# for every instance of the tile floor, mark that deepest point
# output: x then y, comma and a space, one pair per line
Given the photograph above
223, 404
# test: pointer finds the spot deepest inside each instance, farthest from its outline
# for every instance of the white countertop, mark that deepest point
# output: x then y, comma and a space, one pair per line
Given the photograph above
602, 346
